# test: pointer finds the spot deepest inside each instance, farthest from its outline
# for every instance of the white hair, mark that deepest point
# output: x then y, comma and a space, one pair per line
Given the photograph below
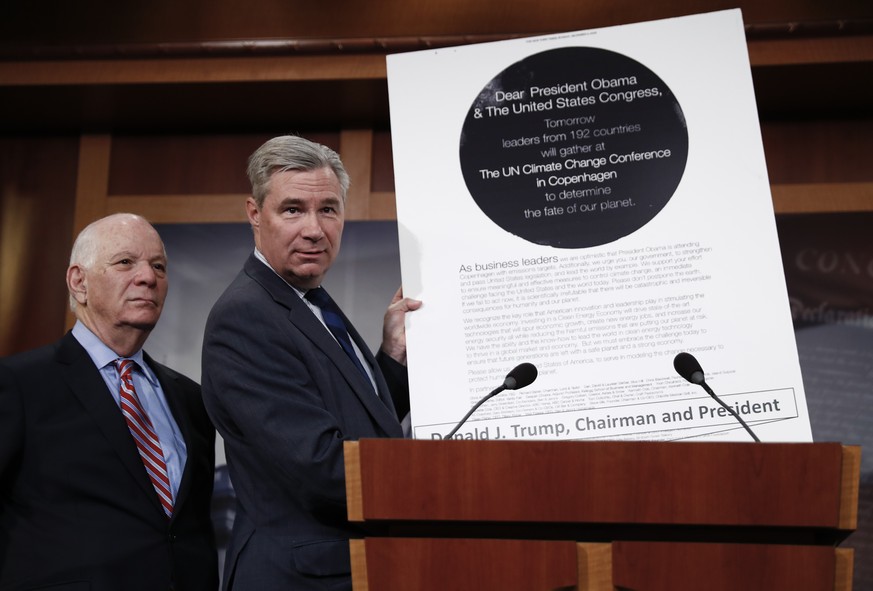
87, 244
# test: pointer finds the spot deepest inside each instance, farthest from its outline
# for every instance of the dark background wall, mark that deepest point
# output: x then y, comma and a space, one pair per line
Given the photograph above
153, 106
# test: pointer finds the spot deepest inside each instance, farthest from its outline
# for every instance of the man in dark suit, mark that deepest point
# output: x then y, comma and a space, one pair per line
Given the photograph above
287, 379
83, 504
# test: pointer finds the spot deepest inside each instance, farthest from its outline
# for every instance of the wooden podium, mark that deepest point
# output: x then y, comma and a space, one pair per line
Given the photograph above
530, 515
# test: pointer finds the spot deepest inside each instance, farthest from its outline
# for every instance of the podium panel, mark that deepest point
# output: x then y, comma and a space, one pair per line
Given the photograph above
603, 491
428, 564
599, 516
431, 564
655, 566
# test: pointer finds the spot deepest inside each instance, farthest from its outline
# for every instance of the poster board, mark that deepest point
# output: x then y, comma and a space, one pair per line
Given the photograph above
592, 202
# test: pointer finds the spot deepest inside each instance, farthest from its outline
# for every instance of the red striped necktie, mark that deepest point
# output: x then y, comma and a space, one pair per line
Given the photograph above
144, 435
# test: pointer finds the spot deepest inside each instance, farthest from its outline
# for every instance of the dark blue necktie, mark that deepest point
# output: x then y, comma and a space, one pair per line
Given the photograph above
334, 321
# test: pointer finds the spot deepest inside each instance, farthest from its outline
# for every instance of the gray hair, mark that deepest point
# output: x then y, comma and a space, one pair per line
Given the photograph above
291, 152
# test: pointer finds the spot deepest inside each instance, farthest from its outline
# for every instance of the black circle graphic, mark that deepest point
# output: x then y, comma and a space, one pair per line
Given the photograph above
574, 147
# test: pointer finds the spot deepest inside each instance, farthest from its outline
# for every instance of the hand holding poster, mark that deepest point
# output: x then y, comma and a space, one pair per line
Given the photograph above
593, 203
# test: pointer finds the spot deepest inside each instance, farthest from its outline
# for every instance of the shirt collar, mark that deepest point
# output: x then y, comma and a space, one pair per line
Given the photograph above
263, 259
102, 355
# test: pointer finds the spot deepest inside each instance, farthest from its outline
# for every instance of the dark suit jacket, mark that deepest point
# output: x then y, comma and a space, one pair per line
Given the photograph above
284, 397
77, 510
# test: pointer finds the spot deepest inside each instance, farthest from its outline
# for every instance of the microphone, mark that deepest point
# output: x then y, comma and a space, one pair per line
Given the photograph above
687, 366
520, 376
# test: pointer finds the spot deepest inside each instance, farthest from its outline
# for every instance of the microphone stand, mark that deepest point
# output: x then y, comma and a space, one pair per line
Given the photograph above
735, 414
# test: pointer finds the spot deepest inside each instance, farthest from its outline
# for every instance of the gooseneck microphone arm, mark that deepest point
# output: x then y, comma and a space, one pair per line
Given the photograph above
493, 393
730, 410
688, 367
521, 375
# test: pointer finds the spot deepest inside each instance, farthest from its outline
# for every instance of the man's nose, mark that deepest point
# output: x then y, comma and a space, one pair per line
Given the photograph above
145, 273
312, 227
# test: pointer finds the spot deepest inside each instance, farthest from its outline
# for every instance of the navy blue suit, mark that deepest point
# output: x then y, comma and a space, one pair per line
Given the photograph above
284, 397
77, 510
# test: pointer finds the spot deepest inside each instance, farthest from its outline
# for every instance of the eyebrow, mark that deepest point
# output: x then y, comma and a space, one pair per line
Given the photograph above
121, 254
126, 254
319, 201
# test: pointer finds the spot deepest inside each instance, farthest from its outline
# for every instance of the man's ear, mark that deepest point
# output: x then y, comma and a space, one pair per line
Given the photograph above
253, 213
77, 284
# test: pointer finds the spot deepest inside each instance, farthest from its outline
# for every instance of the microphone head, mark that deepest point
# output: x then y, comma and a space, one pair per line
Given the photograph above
687, 366
521, 375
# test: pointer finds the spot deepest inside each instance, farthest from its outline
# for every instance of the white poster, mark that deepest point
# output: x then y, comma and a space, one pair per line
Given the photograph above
593, 203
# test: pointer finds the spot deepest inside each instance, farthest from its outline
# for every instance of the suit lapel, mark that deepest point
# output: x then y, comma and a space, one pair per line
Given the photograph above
86, 384
380, 407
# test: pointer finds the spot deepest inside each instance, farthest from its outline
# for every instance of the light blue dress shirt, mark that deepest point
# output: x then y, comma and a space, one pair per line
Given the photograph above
151, 397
